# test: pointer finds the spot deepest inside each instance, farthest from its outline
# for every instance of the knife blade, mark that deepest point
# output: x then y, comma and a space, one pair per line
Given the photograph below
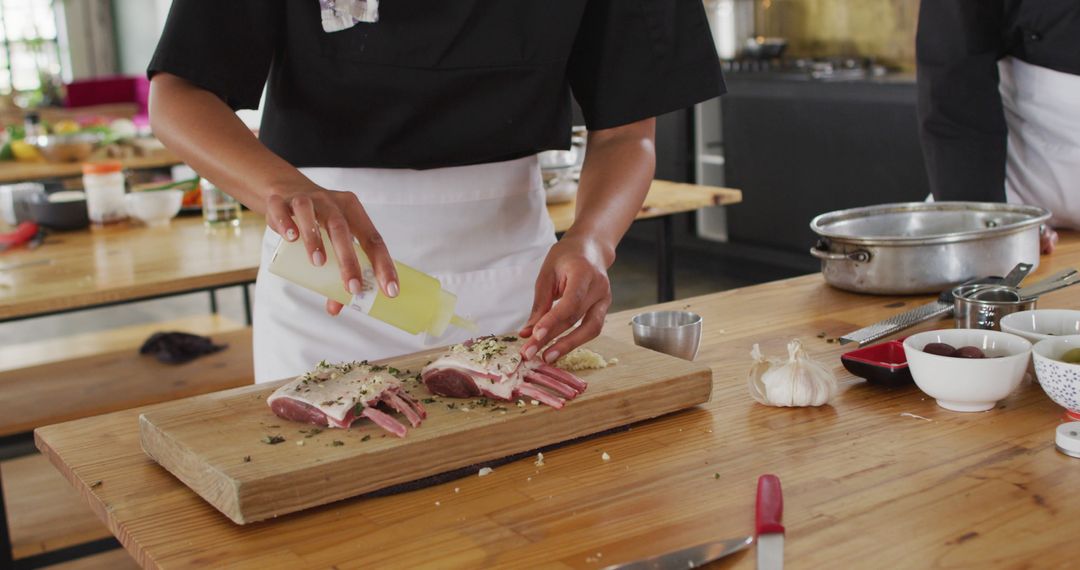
690, 557
942, 307
768, 528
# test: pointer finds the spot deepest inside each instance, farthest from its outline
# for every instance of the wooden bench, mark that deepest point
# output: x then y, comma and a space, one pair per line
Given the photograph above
115, 380
27, 354
44, 512
100, 372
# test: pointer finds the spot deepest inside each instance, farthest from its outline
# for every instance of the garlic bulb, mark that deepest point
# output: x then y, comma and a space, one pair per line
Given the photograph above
798, 381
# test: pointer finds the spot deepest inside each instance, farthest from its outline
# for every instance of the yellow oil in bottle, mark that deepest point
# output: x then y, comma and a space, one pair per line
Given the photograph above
422, 305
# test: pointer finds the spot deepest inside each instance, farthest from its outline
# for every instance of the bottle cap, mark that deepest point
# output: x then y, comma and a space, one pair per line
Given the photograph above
1068, 439
103, 167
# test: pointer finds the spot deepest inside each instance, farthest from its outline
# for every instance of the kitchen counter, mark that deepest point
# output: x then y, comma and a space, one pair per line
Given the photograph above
881, 477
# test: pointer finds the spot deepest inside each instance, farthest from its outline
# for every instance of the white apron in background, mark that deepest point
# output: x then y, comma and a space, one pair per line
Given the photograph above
482, 230
1042, 110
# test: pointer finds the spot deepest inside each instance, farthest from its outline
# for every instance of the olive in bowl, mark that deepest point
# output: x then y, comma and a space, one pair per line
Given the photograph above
964, 382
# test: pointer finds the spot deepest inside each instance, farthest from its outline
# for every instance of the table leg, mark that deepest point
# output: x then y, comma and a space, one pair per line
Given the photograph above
247, 305
213, 301
665, 261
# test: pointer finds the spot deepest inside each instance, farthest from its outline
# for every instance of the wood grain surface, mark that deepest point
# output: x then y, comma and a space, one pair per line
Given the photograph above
664, 198
80, 269
214, 443
864, 485
127, 262
44, 512
80, 387
57, 349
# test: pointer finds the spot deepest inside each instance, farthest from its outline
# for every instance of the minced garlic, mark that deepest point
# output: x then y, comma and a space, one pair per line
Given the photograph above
584, 359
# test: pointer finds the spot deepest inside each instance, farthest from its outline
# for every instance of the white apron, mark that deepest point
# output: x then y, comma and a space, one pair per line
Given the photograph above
482, 230
1042, 110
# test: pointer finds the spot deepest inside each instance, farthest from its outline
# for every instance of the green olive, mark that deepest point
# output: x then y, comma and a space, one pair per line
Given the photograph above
1072, 356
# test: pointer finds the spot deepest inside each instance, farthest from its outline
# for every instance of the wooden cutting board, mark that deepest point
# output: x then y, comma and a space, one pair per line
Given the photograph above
215, 443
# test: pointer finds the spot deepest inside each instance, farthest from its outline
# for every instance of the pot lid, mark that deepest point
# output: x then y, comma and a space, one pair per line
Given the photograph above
913, 223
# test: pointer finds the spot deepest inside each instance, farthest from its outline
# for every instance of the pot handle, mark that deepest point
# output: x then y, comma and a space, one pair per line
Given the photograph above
821, 251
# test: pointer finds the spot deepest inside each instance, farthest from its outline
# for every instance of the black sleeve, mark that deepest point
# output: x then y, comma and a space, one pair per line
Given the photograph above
638, 59
961, 120
225, 46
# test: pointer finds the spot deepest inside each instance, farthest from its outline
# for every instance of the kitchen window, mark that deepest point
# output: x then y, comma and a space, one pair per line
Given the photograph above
29, 48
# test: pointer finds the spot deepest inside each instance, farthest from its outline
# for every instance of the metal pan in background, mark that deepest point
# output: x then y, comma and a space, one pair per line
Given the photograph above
924, 247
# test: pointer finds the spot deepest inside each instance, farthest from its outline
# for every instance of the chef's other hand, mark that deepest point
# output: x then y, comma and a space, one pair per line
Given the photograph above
575, 274
1048, 239
299, 215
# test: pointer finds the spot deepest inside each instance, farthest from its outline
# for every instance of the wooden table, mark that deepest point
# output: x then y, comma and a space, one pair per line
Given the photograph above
11, 171
78, 270
865, 484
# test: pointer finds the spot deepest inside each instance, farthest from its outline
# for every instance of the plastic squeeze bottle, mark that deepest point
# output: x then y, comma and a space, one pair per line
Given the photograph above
422, 305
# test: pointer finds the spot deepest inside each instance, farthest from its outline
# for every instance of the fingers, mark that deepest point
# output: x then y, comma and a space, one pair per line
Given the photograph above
342, 239
374, 246
581, 292
303, 209
1048, 239
333, 308
590, 328
279, 217
543, 297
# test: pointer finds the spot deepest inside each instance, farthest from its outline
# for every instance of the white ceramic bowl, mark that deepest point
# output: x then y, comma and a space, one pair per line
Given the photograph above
968, 384
154, 208
1060, 380
1042, 324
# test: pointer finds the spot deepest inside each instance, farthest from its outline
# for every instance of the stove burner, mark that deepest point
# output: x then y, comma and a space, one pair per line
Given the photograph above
817, 69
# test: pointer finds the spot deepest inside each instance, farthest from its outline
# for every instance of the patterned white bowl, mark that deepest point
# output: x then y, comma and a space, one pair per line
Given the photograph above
1060, 380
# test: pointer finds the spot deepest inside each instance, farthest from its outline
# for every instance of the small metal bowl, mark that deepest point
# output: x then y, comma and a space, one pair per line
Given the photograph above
677, 333
982, 306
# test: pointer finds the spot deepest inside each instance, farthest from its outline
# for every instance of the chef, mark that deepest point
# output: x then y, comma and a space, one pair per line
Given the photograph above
413, 127
999, 103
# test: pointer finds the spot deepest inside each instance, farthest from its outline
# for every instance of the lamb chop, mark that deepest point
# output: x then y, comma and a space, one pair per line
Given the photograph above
336, 395
493, 367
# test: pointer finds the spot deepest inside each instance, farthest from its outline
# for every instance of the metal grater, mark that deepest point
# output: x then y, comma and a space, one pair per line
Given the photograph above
943, 307
898, 323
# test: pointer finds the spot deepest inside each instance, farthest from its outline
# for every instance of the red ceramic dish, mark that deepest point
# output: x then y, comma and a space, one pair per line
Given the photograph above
884, 363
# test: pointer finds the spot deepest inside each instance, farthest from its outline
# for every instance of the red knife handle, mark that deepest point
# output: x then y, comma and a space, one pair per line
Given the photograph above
770, 505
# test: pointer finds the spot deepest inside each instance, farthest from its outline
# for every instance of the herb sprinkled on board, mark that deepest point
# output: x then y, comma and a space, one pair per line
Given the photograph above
273, 439
337, 443
365, 438
96, 484
247, 459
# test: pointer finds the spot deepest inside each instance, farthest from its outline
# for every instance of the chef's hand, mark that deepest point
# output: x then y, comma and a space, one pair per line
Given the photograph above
575, 274
1048, 239
299, 215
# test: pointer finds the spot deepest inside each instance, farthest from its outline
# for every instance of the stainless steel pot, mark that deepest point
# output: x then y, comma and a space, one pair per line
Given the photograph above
924, 247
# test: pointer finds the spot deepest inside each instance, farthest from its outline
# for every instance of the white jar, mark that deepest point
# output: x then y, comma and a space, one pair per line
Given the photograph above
104, 184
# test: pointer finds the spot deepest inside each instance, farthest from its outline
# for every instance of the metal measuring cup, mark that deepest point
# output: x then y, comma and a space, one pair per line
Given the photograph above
677, 333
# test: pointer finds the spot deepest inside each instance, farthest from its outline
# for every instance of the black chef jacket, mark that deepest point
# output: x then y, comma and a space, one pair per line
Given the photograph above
438, 83
960, 112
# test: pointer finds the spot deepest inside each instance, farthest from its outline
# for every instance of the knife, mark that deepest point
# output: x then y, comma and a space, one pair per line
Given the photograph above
942, 307
769, 530
690, 557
